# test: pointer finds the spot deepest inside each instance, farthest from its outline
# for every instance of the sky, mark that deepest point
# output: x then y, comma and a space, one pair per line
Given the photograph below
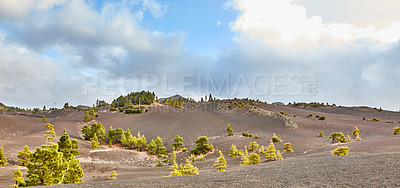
343, 52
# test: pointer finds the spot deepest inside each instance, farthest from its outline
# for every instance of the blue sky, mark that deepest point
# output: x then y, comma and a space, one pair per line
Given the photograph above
78, 51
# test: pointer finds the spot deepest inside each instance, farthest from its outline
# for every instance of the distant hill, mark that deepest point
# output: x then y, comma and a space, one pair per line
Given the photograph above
172, 97
2, 106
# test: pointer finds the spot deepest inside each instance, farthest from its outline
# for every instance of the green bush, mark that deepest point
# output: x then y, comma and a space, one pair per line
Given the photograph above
388, 121
184, 149
234, 152
134, 110
287, 148
321, 134
375, 119
282, 112
274, 138
321, 118
310, 115
229, 130
253, 146
340, 151
203, 147
338, 137
396, 130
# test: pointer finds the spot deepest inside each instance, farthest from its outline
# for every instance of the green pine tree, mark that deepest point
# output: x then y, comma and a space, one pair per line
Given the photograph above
203, 146
340, 151
253, 146
261, 150
254, 158
245, 157
229, 130
19, 180
86, 117
74, 174
92, 115
50, 134
178, 143
24, 156
270, 153
274, 138
113, 175
152, 147
220, 163
188, 169
279, 155
95, 142
192, 158
44, 119
348, 138
321, 134
234, 152
3, 159
396, 130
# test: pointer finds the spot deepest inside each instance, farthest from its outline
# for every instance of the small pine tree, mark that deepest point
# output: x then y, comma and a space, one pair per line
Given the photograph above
396, 130
175, 170
321, 134
348, 138
245, 157
178, 143
203, 146
254, 158
229, 130
110, 144
3, 159
274, 138
340, 151
287, 148
234, 152
152, 147
201, 158
50, 134
24, 156
188, 169
220, 163
338, 137
95, 142
355, 132
192, 158
19, 180
113, 175
270, 153
253, 146
92, 115
261, 150
86, 117
358, 137
279, 155
44, 119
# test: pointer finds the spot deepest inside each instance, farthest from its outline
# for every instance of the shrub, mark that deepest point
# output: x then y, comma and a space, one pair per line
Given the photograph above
375, 119
317, 116
245, 157
337, 137
348, 138
256, 137
295, 115
44, 119
220, 163
261, 150
355, 132
321, 118
229, 131
282, 112
113, 175
184, 149
388, 121
234, 152
340, 151
24, 156
310, 115
188, 169
253, 146
192, 158
396, 130
134, 110
364, 118
274, 138
321, 134
201, 158
203, 146
95, 142
250, 135
19, 180
287, 148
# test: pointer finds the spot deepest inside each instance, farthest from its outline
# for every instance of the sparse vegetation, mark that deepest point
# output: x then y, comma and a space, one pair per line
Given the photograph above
340, 151
388, 121
321, 134
113, 175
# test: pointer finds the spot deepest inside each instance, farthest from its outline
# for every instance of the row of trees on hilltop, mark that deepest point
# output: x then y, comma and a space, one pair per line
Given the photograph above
133, 98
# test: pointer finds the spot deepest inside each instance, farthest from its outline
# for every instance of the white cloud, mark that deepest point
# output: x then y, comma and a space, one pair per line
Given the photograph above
218, 23
285, 23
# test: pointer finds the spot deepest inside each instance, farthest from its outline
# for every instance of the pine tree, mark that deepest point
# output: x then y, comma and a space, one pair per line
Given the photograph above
161, 149
92, 115
173, 157
86, 117
178, 143
358, 137
245, 157
321, 134
141, 143
287, 148
254, 158
274, 138
338, 137
270, 153
19, 180
175, 170
3, 159
234, 152
50, 134
261, 150
86, 132
188, 169
24, 156
44, 119
74, 174
113, 175
203, 146
279, 155
152, 147
220, 163
46, 166
355, 132
396, 130
348, 138
95, 141
253, 146
229, 130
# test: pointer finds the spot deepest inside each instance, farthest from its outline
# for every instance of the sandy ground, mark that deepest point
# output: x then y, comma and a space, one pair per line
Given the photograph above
17, 130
